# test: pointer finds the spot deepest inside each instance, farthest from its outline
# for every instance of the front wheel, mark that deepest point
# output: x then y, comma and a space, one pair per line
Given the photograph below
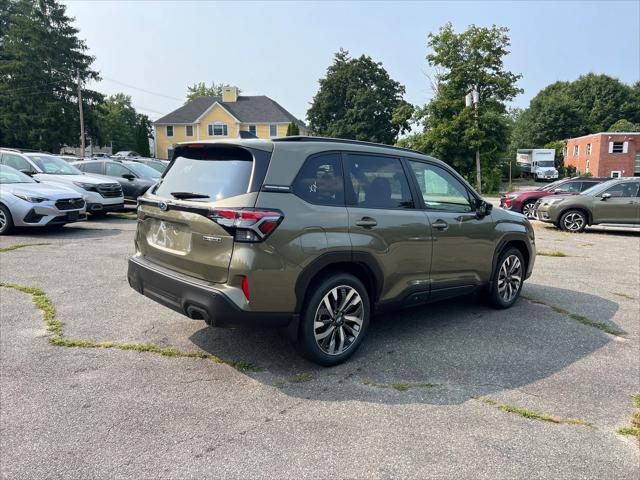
507, 279
6, 221
334, 319
573, 221
528, 210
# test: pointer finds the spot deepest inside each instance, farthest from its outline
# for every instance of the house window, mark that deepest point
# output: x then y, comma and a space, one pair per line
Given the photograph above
169, 130
253, 130
189, 130
617, 147
273, 130
587, 169
588, 149
576, 150
218, 129
564, 151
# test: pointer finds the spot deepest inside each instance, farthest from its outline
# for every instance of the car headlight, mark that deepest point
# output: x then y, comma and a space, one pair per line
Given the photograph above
87, 186
28, 198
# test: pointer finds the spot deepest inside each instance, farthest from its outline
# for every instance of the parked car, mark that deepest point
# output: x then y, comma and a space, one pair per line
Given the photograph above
101, 155
134, 178
126, 154
24, 202
159, 165
68, 158
523, 201
270, 232
102, 195
613, 202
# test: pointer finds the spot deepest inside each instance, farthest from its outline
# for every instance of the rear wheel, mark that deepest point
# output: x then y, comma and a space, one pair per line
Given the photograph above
507, 279
573, 221
334, 319
6, 221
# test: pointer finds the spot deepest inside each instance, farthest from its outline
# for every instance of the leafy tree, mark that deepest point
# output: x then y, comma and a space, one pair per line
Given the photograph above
143, 134
118, 123
202, 90
452, 131
624, 125
40, 57
293, 129
359, 100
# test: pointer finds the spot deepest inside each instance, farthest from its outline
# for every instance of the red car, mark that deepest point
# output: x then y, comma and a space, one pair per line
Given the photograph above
523, 201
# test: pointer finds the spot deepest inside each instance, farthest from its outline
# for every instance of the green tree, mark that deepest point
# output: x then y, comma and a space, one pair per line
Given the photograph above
359, 100
40, 58
452, 131
624, 125
202, 90
117, 123
293, 129
143, 134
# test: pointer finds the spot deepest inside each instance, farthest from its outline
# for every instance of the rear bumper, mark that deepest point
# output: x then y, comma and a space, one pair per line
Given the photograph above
196, 300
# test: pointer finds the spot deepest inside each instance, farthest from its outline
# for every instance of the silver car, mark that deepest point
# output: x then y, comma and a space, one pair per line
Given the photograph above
24, 202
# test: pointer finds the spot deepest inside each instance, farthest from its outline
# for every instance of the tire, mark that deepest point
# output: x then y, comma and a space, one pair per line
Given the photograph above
573, 221
507, 279
6, 221
320, 343
527, 209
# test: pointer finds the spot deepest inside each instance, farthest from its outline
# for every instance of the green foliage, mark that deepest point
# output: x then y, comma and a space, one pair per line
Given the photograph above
202, 90
358, 100
558, 159
293, 129
452, 131
120, 124
624, 125
143, 134
40, 55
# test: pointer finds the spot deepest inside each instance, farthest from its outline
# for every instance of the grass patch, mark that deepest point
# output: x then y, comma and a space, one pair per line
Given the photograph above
579, 318
623, 295
553, 253
56, 328
634, 429
400, 386
124, 216
301, 378
369, 383
279, 382
21, 245
533, 415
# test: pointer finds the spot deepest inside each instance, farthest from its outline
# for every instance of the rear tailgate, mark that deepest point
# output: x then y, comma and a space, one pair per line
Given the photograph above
176, 232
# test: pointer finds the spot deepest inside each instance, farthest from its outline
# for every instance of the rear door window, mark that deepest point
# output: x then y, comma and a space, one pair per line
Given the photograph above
320, 180
216, 173
377, 182
15, 161
93, 167
117, 170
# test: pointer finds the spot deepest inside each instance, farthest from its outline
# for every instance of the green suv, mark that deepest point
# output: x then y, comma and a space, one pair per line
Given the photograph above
315, 234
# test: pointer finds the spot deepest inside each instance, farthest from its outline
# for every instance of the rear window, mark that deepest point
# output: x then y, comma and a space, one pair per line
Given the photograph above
217, 173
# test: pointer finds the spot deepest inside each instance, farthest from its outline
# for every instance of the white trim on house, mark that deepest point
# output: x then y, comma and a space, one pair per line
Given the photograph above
604, 133
197, 120
185, 130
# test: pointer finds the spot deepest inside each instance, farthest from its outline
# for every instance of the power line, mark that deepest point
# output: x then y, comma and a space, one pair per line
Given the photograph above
143, 90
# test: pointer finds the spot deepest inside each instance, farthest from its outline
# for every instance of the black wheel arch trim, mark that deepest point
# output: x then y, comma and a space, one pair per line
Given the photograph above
363, 259
504, 241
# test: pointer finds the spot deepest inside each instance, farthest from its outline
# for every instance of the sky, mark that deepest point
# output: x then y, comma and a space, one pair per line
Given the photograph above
152, 50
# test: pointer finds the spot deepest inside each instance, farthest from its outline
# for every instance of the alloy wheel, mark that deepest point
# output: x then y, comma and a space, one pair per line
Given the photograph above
510, 278
3, 221
338, 320
528, 210
573, 221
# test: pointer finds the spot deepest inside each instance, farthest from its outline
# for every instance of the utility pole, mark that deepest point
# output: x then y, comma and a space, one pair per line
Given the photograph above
473, 98
81, 116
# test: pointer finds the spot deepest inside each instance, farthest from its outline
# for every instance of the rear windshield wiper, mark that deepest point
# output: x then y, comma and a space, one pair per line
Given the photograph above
185, 195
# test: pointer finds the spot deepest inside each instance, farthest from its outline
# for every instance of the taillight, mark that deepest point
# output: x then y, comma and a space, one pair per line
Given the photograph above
245, 287
247, 224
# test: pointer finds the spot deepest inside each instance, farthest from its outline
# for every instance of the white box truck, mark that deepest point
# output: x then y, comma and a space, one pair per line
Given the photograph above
538, 163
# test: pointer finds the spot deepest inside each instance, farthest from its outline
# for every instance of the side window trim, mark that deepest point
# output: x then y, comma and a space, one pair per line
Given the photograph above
473, 198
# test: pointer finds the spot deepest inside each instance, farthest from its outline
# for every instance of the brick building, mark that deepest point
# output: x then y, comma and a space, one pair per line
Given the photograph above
606, 154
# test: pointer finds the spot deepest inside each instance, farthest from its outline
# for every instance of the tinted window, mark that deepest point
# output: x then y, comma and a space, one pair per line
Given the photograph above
116, 170
624, 190
586, 185
569, 187
143, 170
15, 161
441, 190
218, 173
378, 182
320, 180
93, 167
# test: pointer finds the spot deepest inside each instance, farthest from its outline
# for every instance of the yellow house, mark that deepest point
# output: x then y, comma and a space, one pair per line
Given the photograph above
232, 116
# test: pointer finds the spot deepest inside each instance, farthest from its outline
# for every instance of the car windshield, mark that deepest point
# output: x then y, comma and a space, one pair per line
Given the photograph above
143, 170
53, 165
545, 163
11, 175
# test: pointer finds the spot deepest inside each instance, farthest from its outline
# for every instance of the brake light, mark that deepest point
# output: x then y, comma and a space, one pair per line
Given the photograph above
247, 224
245, 287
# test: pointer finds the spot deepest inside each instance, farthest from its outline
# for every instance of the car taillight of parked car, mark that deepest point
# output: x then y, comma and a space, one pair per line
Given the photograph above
247, 224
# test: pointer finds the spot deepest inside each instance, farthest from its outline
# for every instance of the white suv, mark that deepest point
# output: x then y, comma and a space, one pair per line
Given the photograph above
101, 195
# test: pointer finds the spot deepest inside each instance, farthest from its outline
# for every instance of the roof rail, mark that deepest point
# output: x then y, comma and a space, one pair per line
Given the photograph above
341, 140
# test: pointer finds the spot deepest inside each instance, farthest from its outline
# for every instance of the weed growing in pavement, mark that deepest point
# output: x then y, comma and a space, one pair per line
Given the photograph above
623, 295
553, 253
578, 318
634, 429
401, 387
21, 245
532, 414
56, 327
301, 378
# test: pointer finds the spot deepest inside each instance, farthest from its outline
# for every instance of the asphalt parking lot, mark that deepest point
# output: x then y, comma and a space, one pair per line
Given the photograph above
443, 391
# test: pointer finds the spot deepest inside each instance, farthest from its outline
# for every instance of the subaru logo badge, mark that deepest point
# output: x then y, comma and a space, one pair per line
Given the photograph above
163, 206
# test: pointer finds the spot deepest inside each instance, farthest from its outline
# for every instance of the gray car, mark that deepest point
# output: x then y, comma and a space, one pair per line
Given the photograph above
24, 202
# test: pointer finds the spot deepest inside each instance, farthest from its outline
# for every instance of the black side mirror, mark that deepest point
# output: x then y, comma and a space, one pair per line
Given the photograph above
27, 172
128, 176
483, 208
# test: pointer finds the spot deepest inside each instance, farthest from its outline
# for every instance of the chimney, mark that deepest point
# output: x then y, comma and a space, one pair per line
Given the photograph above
230, 94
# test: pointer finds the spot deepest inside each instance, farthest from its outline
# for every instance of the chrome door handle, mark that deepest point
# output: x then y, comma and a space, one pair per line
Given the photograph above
440, 225
367, 222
